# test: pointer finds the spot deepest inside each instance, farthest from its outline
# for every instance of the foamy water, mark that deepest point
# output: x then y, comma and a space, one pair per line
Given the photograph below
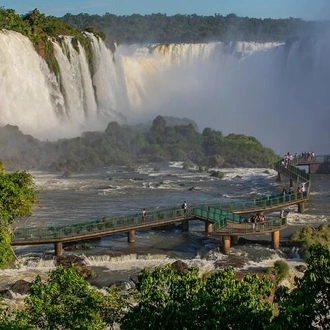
87, 196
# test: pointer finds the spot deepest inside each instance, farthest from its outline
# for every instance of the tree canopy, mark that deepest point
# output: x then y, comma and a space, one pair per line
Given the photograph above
161, 28
165, 298
17, 197
129, 145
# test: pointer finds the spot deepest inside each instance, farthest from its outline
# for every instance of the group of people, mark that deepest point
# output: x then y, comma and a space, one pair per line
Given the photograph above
301, 189
258, 219
303, 156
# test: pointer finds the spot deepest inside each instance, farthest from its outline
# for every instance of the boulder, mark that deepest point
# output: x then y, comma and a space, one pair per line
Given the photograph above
6, 294
301, 268
78, 262
180, 267
21, 287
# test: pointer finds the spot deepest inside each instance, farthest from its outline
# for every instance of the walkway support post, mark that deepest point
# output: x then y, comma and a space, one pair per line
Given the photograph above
185, 225
291, 183
131, 236
276, 240
279, 176
208, 227
225, 244
58, 249
301, 207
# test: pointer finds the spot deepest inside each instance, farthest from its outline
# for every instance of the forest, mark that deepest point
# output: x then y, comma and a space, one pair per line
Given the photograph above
165, 139
160, 28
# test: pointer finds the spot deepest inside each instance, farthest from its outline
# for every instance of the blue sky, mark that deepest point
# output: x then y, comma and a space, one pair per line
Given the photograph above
306, 9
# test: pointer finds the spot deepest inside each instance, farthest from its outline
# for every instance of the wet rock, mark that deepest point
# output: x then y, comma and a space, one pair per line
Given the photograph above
78, 262
134, 279
301, 268
6, 294
21, 287
180, 267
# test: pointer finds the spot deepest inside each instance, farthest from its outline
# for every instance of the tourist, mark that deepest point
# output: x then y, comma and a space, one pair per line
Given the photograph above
144, 213
185, 207
262, 222
253, 222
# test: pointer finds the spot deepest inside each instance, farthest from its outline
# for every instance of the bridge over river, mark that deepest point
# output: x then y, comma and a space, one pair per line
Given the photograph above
223, 220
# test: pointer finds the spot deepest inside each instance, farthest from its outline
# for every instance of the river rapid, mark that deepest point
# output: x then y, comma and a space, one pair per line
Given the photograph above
108, 191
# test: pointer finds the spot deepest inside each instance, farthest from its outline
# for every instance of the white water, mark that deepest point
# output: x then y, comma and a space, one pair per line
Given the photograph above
85, 197
260, 89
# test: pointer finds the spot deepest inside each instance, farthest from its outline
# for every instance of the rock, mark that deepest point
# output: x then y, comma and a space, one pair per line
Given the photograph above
180, 267
21, 287
79, 264
6, 294
301, 268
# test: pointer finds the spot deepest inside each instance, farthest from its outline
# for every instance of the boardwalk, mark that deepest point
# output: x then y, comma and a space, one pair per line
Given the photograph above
225, 219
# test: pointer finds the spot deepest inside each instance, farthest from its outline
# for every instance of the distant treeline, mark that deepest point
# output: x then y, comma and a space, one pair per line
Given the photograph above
160, 28
165, 139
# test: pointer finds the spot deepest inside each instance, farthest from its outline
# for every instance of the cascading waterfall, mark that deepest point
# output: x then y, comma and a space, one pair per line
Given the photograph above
276, 94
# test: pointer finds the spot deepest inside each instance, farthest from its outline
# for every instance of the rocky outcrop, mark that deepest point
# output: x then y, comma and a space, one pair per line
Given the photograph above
180, 267
21, 287
79, 264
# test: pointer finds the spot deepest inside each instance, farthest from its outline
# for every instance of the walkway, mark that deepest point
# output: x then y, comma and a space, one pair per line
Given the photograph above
220, 219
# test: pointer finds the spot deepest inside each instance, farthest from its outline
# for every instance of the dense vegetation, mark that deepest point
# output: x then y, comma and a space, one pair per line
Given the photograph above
17, 197
42, 29
160, 28
130, 145
166, 298
310, 235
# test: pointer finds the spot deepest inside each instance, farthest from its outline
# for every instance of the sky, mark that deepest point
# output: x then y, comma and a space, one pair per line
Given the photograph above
305, 9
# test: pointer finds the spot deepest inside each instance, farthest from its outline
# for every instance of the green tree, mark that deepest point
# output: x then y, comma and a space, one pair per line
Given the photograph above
67, 301
17, 197
307, 305
168, 300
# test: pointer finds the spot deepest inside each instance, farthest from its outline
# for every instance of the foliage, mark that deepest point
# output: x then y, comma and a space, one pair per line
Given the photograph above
42, 30
160, 28
309, 236
281, 269
168, 300
17, 197
307, 305
6, 252
126, 145
66, 301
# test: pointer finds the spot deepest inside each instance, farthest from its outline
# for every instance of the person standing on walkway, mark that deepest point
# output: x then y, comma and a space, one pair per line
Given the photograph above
262, 222
144, 213
185, 207
253, 222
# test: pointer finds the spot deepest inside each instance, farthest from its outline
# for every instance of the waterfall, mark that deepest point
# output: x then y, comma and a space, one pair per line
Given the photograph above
267, 90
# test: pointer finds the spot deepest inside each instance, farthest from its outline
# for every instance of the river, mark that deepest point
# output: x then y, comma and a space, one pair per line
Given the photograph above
108, 191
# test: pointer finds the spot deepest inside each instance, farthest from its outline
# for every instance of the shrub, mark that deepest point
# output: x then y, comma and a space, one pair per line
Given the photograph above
282, 269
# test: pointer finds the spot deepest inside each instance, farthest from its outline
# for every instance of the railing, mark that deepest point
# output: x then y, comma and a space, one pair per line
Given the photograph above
105, 224
271, 224
315, 159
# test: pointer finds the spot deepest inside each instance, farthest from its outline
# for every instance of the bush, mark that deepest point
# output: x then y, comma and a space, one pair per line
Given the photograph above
282, 269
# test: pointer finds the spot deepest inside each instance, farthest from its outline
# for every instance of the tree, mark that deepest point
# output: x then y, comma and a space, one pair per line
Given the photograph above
307, 306
168, 300
67, 301
17, 197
